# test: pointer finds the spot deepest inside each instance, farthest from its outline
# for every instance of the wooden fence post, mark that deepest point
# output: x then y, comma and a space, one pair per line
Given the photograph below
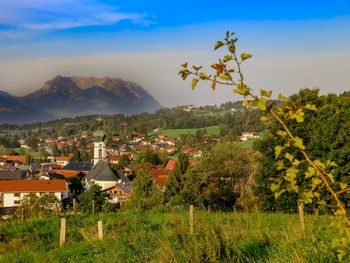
22, 214
63, 232
301, 217
93, 207
191, 219
100, 230
74, 206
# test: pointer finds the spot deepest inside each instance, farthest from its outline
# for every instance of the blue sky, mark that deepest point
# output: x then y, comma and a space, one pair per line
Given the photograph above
295, 43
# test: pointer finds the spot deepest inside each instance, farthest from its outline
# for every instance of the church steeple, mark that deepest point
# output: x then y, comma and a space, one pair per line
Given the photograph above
99, 144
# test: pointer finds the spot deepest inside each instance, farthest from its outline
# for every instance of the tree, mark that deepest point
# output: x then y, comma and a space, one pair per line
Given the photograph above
145, 194
43, 206
29, 159
176, 179
124, 161
317, 173
95, 194
147, 155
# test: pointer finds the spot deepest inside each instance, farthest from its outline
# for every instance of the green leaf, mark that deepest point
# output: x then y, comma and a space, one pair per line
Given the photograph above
194, 83
307, 197
310, 107
343, 186
197, 68
266, 93
298, 142
264, 118
204, 76
289, 157
247, 103
280, 165
281, 133
227, 58
315, 182
310, 172
278, 150
291, 174
283, 98
245, 56
274, 187
225, 77
261, 104
184, 65
219, 44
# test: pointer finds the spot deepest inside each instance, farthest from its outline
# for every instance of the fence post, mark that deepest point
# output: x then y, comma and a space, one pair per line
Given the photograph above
63, 232
301, 217
191, 219
93, 207
100, 230
22, 214
74, 206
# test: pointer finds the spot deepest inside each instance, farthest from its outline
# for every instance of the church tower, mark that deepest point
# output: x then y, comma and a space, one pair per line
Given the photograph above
99, 144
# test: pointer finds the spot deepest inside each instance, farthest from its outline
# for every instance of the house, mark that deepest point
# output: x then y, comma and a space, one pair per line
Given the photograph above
249, 135
79, 166
12, 192
118, 193
103, 175
12, 175
171, 164
62, 160
113, 159
160, 177
15, 159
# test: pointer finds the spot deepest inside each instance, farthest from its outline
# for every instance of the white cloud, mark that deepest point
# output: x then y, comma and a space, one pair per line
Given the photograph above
24, 15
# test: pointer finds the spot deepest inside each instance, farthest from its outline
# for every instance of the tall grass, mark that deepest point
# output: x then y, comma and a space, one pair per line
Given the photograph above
163, 236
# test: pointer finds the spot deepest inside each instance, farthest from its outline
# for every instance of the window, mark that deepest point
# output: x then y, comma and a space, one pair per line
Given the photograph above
17, 202
100, 153
17, 195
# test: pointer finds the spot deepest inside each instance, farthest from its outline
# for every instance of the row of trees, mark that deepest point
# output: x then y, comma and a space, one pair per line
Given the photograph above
221, 179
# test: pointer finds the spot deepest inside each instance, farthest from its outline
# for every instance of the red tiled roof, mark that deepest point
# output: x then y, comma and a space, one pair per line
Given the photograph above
171, 164
161, 179
62, 159
158, 172
25, 186
67, 173
16, 158
192, 162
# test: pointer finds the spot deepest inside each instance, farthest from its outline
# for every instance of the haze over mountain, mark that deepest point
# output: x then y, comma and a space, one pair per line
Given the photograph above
75, 96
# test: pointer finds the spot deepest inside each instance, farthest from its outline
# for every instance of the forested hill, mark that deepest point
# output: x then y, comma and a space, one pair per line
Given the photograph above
231, 117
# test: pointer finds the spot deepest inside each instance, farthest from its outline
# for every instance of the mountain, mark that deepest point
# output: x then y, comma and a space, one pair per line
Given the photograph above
14, 112
76, 96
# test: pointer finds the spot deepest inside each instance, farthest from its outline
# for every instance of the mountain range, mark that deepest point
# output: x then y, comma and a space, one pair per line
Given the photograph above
75, 96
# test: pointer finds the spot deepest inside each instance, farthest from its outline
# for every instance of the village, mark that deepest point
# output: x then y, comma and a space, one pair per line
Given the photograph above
110, 168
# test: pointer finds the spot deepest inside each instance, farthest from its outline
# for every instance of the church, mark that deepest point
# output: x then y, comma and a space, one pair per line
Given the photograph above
102, 174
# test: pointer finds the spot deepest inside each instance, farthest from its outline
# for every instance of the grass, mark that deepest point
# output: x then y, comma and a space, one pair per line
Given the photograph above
175, 133
35, 154
163, 236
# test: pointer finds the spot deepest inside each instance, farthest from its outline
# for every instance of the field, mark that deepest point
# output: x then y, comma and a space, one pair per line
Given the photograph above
163, 236
175, 133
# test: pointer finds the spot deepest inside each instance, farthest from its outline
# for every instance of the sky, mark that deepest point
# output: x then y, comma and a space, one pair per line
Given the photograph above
295, 44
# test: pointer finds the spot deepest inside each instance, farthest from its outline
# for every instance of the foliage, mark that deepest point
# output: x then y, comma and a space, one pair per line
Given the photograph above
176, 179
35, 206
93, 195
145, 194
292, 157
147, 155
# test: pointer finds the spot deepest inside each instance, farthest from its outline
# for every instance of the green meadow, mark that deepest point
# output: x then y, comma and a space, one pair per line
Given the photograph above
175, 133
164, 236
